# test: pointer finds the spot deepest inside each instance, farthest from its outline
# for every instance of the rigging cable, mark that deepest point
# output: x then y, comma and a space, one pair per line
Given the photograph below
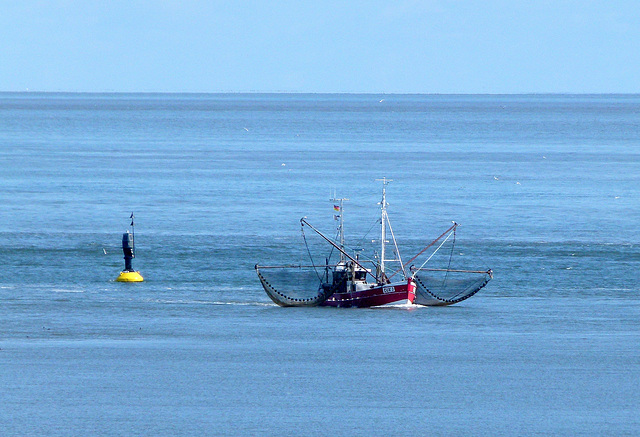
453, 244
397, 252
361, 242
434, 252
432, 243
309, 252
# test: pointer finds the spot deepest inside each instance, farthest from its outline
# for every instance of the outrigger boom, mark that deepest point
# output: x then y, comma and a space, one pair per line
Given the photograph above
328, 240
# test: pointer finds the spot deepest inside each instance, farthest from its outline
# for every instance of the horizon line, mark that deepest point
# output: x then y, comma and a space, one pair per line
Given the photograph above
327, 93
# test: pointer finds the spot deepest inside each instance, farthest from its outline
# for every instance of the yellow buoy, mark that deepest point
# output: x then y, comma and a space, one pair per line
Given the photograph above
129, 277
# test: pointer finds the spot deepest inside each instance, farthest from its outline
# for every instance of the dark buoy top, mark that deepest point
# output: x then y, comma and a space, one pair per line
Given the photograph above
129, 249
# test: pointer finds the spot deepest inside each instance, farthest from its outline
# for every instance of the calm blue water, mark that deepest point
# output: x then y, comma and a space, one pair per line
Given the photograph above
546, 189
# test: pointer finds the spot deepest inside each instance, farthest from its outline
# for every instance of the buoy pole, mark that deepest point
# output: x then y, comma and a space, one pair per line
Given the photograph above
133, 233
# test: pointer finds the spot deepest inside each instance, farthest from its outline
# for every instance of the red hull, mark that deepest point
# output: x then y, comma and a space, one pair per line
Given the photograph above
376, 296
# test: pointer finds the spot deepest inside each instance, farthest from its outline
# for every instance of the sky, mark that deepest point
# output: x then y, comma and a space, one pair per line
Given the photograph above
347, 46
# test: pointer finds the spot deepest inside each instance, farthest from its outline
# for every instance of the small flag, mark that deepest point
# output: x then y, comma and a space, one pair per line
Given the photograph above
336, 217
336, 207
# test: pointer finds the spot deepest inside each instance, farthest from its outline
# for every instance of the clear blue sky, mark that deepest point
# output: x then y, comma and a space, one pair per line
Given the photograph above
390, 46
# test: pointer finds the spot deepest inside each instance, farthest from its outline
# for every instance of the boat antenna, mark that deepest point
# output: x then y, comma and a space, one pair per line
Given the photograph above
339, 216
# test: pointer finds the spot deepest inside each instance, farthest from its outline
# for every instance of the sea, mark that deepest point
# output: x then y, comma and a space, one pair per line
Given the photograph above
546, 189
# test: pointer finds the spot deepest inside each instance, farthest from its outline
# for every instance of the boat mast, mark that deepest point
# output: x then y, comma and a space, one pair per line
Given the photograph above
340, 217
383, 220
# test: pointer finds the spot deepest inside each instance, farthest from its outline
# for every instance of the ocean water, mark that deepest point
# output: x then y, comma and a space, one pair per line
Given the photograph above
545, 187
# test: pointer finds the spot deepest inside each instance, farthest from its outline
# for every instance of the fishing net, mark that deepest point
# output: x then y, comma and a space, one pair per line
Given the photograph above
437, 288
297, 285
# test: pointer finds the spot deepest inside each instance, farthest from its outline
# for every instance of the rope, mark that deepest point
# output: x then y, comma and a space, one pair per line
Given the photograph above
488, 272
291, 266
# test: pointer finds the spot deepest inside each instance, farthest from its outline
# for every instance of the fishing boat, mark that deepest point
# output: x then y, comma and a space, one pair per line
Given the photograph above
349, 282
